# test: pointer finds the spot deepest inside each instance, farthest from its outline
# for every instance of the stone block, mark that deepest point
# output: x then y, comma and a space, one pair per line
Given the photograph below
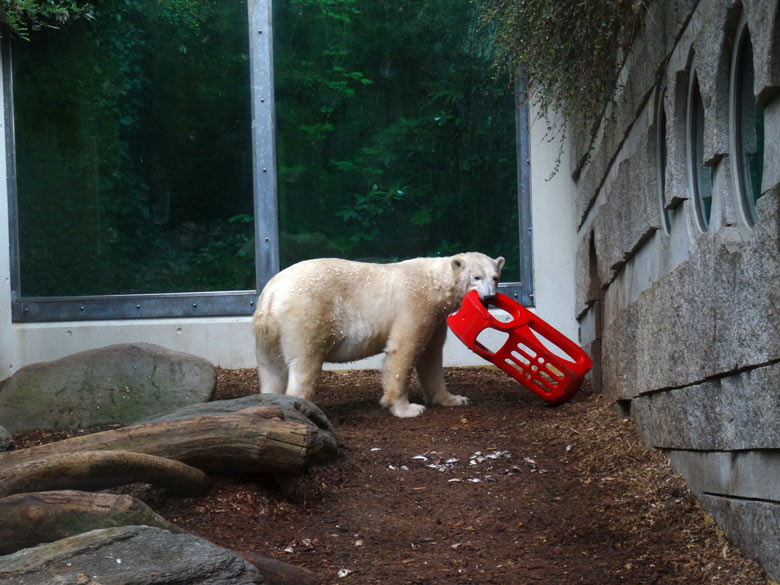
762, 20
586, 275
743, 474
716, 313
675, 101
662, 28
734, 412
751, 525
712, 61
771, 176
630, 213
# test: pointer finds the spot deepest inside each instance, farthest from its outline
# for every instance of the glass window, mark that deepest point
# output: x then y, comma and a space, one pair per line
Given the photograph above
133, 151
392, 141
701, 175
749, 129
144, 179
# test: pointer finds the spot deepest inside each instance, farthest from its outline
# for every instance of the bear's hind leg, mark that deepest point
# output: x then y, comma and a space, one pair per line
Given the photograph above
302, 375
272, 381
271, 371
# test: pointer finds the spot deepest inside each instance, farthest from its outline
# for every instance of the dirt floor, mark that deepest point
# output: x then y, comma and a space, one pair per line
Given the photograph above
506, 491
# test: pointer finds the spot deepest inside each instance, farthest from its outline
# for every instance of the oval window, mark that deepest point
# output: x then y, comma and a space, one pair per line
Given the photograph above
701, 175
748, 130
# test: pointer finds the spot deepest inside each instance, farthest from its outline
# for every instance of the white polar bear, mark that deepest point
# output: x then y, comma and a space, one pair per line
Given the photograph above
340, 311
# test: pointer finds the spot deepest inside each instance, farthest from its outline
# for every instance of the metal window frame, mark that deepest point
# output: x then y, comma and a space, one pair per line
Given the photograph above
228, 303
523, 291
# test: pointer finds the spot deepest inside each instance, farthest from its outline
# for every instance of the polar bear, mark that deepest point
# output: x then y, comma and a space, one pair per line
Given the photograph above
339, 311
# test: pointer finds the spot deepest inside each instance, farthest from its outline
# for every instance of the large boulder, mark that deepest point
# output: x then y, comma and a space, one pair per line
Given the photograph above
138, 555
116, 384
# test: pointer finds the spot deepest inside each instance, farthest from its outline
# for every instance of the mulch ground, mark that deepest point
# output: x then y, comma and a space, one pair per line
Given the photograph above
506, 491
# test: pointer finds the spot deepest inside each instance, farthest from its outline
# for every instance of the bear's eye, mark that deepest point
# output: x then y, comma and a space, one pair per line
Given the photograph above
477, 277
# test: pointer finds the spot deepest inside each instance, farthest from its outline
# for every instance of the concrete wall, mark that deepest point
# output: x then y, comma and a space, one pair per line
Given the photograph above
553, 223
687, 322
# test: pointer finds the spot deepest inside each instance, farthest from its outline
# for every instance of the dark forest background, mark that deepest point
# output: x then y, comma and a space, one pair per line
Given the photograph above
395, 138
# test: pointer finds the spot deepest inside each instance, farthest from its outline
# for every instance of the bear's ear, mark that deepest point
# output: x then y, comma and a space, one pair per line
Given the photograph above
500, 261
457, 264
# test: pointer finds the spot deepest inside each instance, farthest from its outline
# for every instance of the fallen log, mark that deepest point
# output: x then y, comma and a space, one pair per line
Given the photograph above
254, 440
27, 520
97, 470
295, 409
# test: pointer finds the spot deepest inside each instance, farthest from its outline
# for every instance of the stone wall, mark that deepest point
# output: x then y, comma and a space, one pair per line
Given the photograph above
685, 322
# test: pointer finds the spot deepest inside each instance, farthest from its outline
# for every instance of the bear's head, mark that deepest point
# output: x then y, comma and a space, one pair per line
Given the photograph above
476, 271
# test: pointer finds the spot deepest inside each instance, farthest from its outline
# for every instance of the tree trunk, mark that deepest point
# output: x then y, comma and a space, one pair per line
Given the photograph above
254, 440
97, 470
29, 519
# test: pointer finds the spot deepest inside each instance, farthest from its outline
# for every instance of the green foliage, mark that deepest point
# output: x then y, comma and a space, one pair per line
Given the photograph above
133, 141
23, 16
397, 140
569, 50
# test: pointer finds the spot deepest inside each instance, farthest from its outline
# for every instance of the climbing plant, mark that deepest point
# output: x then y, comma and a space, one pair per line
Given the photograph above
395, 138
569, 50
23, 16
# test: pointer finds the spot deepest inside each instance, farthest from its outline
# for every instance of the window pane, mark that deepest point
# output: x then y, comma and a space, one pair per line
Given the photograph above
702, 174
394, 138
750, 145
133, 151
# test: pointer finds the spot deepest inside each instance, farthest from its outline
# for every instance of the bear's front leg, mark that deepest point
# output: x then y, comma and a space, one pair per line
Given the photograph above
400, 355
431, 372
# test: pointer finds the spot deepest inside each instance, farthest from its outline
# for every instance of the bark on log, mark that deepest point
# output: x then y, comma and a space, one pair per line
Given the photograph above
97, 470
253, 440
295, 409
27, 520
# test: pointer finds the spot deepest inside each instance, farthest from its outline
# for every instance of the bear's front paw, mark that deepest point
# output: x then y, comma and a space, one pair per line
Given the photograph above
458, 400
407, 410
450, 400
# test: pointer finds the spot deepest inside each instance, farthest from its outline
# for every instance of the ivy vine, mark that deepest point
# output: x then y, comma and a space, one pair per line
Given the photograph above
570, 52
22, 16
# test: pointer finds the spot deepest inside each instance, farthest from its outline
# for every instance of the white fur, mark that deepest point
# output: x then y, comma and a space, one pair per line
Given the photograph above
339, 311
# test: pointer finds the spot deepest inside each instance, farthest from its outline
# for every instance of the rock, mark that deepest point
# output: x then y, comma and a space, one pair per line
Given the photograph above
6, 442
116, 384
140, 555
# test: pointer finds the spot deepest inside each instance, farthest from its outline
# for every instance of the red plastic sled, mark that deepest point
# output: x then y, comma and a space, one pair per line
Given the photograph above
523, 355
